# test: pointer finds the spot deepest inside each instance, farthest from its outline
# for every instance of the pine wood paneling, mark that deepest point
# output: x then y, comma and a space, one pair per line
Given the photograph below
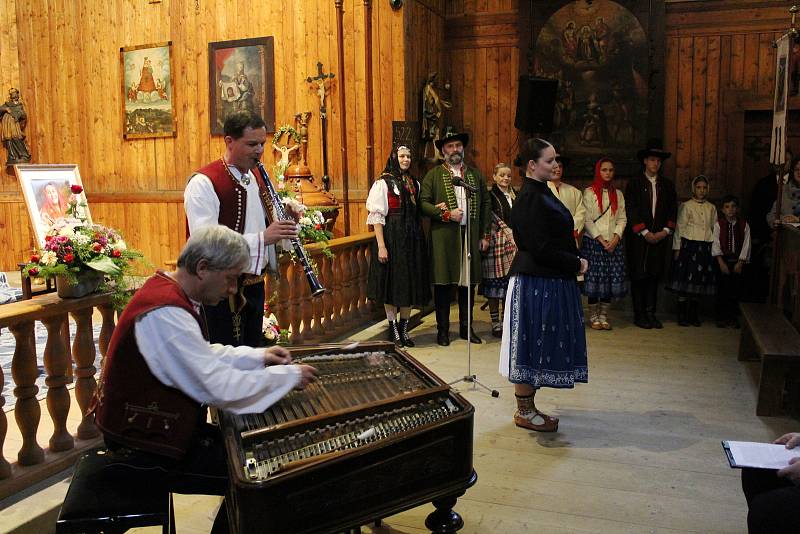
64, 57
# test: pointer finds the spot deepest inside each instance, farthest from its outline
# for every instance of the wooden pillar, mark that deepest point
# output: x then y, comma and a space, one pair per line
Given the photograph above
56, 361
107, 328
26, 410
328, 296
83, 353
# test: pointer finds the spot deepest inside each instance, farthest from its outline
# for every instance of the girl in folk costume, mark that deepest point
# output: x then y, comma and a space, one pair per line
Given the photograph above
602, 244
398, 269
570, 196
692, 273
497, 260
544, 341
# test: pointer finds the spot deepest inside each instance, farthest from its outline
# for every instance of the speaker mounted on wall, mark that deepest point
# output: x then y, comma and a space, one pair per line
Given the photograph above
536, 104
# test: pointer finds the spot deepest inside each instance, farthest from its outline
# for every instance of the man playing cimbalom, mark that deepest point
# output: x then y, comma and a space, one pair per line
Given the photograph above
230, 192
448, 206
161, 372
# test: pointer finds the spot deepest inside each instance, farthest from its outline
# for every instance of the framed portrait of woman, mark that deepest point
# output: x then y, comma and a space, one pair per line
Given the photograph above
48, 191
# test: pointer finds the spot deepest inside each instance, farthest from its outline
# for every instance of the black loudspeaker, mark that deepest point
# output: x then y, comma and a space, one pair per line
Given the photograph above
536, 104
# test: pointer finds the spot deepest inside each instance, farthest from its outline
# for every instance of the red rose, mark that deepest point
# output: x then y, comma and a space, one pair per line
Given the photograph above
68, 258
35, 258
76, 189
317, 226
97, 247
33, 271
116, 253
48, 238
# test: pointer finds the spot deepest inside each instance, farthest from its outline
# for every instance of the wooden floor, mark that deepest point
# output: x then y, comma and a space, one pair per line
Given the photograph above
638, 449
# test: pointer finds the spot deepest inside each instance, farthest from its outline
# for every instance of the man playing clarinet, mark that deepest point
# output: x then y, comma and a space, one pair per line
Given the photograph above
232, 193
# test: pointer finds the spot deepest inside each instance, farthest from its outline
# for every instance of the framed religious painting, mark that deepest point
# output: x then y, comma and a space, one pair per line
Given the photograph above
608, 59
241, 76
49, 191
148, 91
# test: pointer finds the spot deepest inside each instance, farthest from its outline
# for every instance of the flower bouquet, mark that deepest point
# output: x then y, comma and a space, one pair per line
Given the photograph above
76, 252
273, 333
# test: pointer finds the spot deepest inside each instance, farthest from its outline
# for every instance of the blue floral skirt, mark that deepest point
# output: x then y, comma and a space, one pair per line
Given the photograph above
494, 288
544, 341
606, 277
693, 272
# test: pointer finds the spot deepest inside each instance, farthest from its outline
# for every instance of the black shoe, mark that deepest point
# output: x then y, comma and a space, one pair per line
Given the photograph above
404, 333
655, 323
497, 332
642, 322
473, 337
443, 338
394, 334
721, 323
682, 313
694, 318
735, 323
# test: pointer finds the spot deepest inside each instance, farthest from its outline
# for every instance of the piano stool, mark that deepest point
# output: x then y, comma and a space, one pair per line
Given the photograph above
100, 501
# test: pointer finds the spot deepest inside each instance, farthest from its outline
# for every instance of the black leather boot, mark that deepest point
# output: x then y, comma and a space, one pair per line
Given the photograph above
394, 334
473, 337
683, 319
443, 337
404, 333
693, 315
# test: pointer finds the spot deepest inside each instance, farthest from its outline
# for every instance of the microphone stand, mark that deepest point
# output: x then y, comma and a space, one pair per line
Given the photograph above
470, 377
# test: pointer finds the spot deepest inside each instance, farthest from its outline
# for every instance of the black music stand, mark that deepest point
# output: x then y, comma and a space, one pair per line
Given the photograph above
470, 377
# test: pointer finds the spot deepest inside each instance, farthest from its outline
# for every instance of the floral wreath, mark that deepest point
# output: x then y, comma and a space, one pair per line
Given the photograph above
286, 128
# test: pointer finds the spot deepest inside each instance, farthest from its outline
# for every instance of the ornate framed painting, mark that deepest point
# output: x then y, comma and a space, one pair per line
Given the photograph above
608, 58
241, 76
148, 91
47, 190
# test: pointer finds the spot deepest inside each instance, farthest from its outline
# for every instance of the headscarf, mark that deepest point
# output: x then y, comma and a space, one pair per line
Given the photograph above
398, 179
599, 184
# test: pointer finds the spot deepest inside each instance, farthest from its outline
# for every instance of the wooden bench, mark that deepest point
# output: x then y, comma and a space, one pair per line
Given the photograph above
769, 336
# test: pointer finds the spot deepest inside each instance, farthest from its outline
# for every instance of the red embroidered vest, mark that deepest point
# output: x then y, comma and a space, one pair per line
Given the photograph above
231, 194
132, 406
731, 242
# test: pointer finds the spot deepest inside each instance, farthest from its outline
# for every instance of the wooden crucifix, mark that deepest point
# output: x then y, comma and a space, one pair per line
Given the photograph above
320, 80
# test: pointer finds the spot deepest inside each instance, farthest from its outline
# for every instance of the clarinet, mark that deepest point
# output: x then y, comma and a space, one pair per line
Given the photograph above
299, 251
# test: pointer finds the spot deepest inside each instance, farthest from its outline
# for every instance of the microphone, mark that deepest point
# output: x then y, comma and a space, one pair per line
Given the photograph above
459, 182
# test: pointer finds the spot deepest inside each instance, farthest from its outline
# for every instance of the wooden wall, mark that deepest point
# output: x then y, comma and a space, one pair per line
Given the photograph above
482, 46
64, 57
719, 63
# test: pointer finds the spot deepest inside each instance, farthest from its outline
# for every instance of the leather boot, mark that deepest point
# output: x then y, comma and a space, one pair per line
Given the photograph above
473, 337
394, 334
443, 337
404, 333
683, 313
693, 316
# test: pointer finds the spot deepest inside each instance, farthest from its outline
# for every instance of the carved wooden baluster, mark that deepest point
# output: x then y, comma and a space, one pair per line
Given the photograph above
317, 331
363, 268
306, 306
5, 467
83, 353
26, 410
355, 274
295, 300
106, 329
347, 289
56, 361
328, 296
338, 297
282, 300
65, 337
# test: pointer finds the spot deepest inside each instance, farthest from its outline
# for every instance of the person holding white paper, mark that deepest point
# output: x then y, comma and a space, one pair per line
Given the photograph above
773, 497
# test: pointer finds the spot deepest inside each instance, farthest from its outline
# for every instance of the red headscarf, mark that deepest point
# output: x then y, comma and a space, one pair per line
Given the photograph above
599, 184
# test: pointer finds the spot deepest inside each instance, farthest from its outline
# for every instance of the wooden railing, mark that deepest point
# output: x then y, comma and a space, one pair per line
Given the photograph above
343, 307
344, 304
34, 462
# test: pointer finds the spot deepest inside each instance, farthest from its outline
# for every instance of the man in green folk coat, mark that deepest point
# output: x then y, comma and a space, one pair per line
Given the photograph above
447, 205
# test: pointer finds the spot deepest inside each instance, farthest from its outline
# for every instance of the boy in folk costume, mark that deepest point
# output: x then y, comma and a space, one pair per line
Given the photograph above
731, 250
651, 205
